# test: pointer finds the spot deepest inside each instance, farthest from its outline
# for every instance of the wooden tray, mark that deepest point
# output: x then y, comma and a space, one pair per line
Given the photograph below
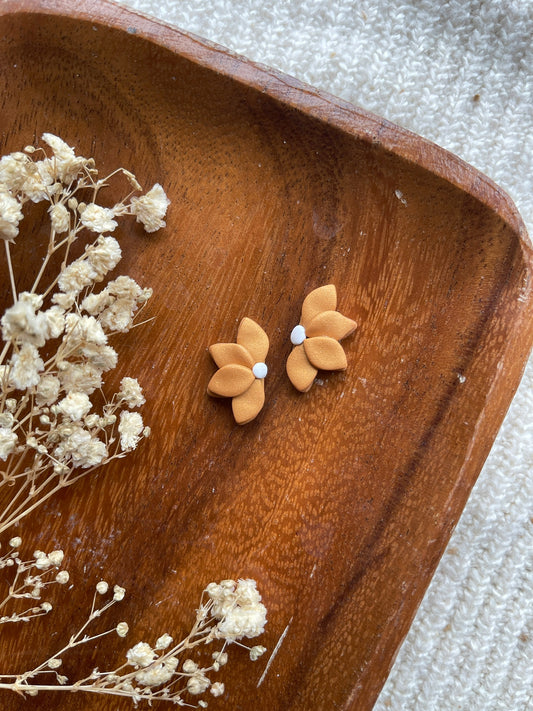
338, 502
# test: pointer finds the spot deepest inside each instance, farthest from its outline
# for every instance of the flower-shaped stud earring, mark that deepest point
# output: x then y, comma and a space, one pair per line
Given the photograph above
242, 371
316, 338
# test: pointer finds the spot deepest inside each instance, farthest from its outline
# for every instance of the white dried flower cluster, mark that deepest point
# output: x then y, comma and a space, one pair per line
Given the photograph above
29, 579
56, 351
232, 610
56, 337
150, 209
10, 215
130, 429
142, 657
238, 607
98, 219
58, 179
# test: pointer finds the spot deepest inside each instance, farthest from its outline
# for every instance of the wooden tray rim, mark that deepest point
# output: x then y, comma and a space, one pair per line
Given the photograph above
295, 93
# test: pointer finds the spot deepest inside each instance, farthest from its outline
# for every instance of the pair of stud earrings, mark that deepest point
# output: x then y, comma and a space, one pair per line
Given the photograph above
241, 365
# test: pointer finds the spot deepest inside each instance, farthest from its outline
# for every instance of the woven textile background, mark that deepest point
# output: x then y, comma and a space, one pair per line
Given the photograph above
459, 72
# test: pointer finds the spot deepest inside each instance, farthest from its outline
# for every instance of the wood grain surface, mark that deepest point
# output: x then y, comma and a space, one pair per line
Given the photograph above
339, 501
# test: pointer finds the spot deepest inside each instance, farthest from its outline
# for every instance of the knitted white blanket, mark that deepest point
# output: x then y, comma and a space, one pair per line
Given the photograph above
459, 72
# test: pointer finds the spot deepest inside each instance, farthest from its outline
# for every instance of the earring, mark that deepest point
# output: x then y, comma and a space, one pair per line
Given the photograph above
242, 371
316, 338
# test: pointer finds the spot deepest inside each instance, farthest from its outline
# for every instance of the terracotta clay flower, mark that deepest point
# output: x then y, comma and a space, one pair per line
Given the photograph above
316, 338
242, 371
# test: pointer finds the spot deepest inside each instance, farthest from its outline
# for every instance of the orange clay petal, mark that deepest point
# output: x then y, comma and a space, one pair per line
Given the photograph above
325, 353
322, 299
230, 381
228, 353
300, 371
254, 339
248, 405
332, 324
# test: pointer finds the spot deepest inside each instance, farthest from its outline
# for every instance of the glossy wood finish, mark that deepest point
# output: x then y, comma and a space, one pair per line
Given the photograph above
339, 501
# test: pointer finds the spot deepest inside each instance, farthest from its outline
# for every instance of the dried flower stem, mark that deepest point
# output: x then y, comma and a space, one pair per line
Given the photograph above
41, 492
39, 573
56, 342
232, 610
11, 275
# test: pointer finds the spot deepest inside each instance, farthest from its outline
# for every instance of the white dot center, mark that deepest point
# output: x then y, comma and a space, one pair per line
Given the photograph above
260, 370
298, 335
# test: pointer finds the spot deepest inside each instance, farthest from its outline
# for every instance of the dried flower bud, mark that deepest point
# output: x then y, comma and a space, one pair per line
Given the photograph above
190, 666
122, 629
220, 657
62, 577
15, 542
46, 606
6, 419
163, 642
54, 663
217, 689
118, 593
92, 420
56, 557
102, 587
197, 684
43, 562
256, 652
150, 209
131, 179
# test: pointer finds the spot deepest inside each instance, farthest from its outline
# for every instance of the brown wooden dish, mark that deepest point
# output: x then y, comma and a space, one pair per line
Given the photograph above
338, 501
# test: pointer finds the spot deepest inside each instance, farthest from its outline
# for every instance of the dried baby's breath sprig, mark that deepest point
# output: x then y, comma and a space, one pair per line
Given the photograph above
56, 335
30, 578
166, 671
57, 424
